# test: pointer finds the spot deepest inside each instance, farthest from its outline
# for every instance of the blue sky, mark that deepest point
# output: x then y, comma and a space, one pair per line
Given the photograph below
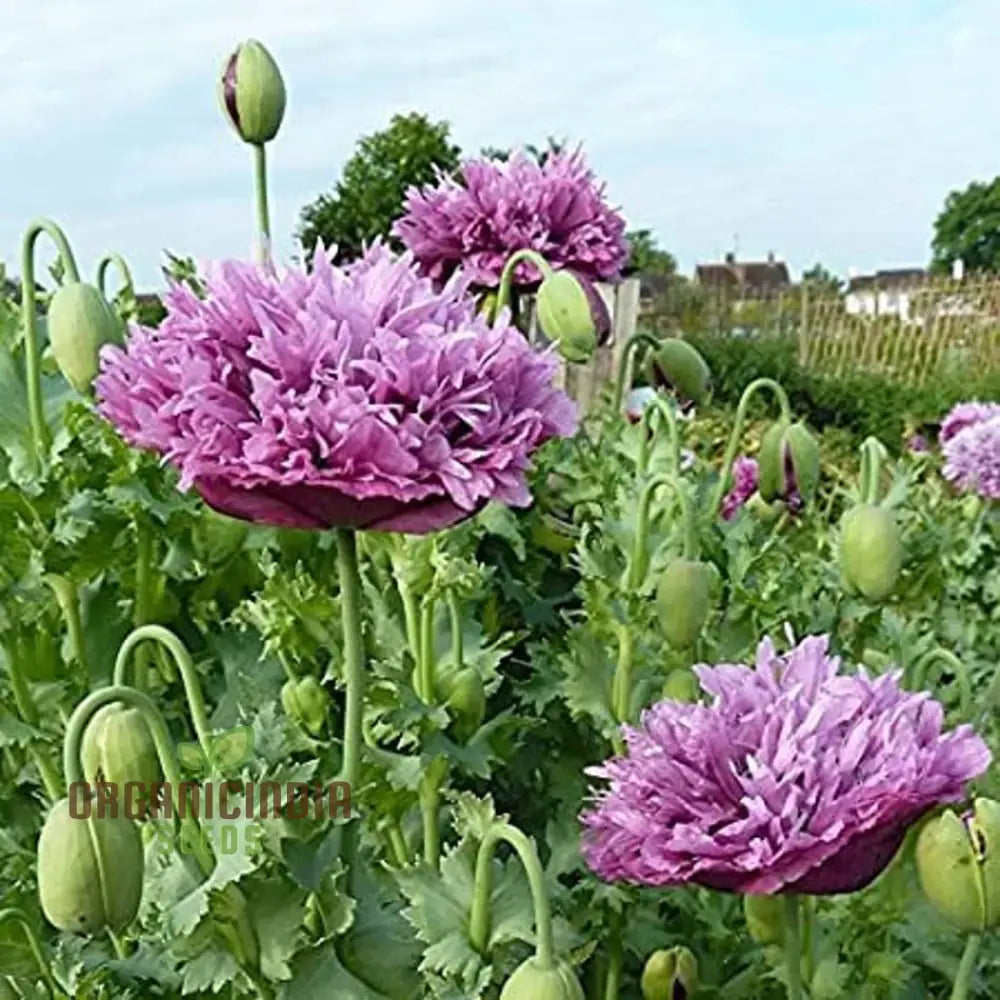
826, 131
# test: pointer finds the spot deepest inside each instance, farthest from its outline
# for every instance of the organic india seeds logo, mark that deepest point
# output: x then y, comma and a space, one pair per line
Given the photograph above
226, 809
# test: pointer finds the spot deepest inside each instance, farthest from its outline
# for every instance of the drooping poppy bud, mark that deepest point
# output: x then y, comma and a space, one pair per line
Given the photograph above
683, 601
788, 464
677, 365
670, 975
958, 863
80, 323
765, 917
252, 93
572, 314
307, 702
533, 981
871, 551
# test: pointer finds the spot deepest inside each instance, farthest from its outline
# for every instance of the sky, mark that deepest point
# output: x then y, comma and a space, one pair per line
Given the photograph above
821, 130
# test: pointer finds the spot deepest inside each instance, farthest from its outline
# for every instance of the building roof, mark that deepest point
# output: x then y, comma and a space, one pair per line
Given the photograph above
891, 279
753, 275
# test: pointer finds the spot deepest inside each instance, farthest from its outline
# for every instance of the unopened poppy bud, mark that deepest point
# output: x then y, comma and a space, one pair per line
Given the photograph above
252, 93
80, 323
572, 314
958, 863
788, 464
683, 599
677, 365
532, 980
681, 685
765, 917
670, 975
871, 551
307, 702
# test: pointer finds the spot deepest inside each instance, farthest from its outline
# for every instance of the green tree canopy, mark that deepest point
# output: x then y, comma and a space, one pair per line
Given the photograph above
371, 193
646, 256
968, 228
820, 278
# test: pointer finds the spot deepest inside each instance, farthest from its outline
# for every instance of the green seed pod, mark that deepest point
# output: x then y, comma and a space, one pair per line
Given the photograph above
572, 314
788, 464
681, 685
252, 93
466, 698
217, 538
80, 323
118, 747
683, 601
871, 551
958, 863
89, 870
765, 917
307, 702
533, 981
670, 975
679, 366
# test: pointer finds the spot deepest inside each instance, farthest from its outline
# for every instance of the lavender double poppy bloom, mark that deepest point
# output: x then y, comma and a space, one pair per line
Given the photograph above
795, 779
357, 396
972, 458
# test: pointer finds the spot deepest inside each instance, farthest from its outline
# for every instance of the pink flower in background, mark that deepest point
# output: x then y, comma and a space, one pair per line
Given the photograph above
796, 778
917, 444
557, 208
744, 486
972, 458
352, 396
965, 415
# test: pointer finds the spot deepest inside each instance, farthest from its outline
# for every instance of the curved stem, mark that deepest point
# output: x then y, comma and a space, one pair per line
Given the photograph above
756, 386
479, 917
507, 275
68, 597
658, 407
936, 655
260, 201
123, 270
623, 362
638, 564
189, 676
793, 947
962, 988
15, 915
73, 768
40, 437
873, 454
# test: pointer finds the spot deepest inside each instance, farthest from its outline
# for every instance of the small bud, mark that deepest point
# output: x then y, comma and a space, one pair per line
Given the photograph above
487, 305
958, 863
683, 599
681, 685
533, 981
765, 917
572, 313
252, 93
788, 464
677, 365
307, 702
670, 975
871, 551
80, 323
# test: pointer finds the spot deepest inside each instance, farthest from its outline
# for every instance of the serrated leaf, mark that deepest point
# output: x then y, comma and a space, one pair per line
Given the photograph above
276, 910
318, 972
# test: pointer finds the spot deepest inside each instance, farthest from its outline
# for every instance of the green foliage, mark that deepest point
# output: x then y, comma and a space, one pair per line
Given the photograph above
647, 257
968, 229
824, 281
371, 193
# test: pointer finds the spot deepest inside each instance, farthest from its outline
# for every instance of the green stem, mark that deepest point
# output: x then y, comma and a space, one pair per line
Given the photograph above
40, 437
756, 386
962, 988
623, 364
116, 943
939, 655
185, 666
73, 768
354, 674
638, 564
613, 981
507, 275
793, 948
260, 200
12, 914
873, 454
658, 407
28, 710
400, 850
68, 598
428, 667
808, 943
142, 609
123, 270
430, 809
457, 636
479, 917
621, 687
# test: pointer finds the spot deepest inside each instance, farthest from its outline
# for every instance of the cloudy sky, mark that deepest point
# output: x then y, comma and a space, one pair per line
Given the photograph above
822, 131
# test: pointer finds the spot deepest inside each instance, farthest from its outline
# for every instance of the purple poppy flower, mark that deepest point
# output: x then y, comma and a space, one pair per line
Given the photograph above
744, 486
476, 223
795, 779
345, 396
972, 458
965, 415
917, 444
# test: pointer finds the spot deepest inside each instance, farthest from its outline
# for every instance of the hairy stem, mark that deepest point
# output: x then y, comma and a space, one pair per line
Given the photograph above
623, 364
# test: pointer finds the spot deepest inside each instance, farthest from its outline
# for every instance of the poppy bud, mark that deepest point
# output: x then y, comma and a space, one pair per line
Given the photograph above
681, 685
871, 551
80, 323
677, 365
533, 981
765, 917
307, 702
683, 601
958, 863
788, 464
572, 313
670, 975
252, 93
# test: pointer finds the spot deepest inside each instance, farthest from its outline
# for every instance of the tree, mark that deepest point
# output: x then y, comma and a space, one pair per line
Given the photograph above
646, 257
968, 229
371, 193
819, 278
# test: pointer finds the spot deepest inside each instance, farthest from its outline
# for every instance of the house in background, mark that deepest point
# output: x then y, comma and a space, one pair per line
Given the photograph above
745, 280
884, 293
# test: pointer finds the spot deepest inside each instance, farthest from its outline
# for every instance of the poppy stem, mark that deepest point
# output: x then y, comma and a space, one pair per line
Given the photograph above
260, 198
623, 362
124, 271
793, 947
961, 990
